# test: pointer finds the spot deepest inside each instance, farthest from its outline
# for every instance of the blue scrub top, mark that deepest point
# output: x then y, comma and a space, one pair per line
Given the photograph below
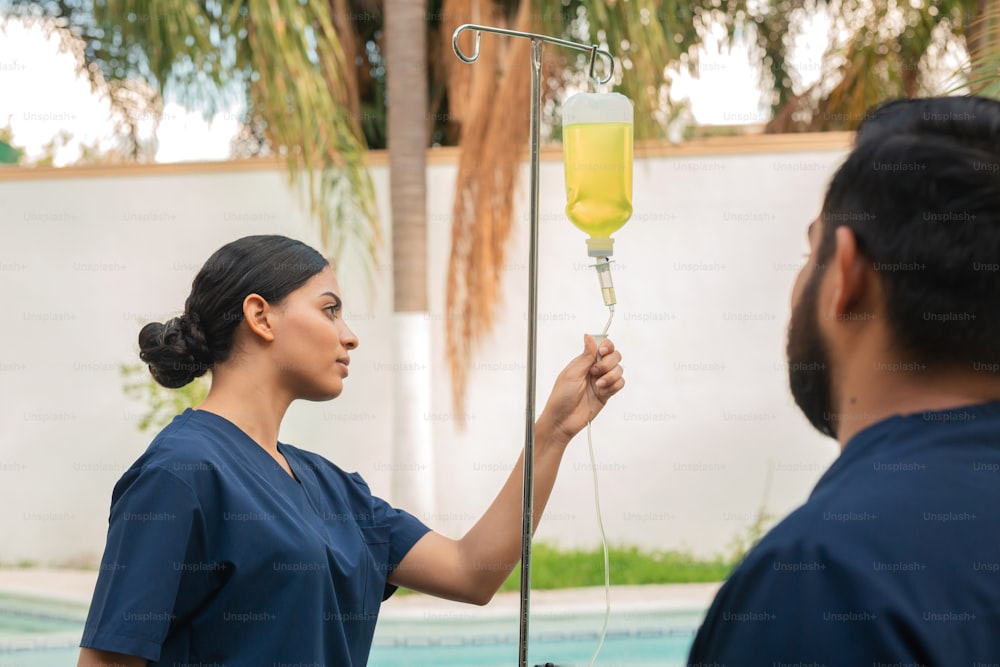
216, 555
893, 560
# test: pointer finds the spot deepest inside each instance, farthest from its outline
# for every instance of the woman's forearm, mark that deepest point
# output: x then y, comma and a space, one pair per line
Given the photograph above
492, 547
473, 568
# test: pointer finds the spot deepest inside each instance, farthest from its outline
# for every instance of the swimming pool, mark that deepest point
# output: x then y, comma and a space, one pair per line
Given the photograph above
39, 633
635, 638
42, 633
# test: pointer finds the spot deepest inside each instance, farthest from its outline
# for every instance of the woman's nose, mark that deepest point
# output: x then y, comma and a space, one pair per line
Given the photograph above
349, 340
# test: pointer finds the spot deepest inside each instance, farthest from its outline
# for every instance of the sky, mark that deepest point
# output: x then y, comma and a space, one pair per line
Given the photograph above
41, 96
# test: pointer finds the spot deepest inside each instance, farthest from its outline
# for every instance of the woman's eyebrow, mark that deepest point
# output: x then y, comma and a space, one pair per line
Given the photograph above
335, 297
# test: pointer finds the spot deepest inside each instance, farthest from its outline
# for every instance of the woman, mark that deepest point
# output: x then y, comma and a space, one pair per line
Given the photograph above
226, 546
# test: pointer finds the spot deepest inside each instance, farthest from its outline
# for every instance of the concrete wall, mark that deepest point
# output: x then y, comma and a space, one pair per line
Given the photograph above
703, 436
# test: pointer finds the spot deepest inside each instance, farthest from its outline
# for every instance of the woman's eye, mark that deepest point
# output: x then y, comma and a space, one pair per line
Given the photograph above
333, 310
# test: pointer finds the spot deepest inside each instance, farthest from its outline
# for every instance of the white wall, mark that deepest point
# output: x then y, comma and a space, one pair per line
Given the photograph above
703, 274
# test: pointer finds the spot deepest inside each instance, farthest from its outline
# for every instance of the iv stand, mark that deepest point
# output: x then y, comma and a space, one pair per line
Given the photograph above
527, 504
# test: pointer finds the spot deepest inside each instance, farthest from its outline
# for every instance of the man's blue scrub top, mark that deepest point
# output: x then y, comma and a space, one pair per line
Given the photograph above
893, 560
216, 555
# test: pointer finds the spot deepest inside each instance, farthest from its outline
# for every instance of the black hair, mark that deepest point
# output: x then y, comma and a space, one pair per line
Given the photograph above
188, 346
921, 192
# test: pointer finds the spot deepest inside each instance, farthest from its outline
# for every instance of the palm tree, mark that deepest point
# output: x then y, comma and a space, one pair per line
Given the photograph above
406, 71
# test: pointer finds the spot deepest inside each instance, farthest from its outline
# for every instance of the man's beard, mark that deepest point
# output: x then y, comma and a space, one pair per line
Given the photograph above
809, 362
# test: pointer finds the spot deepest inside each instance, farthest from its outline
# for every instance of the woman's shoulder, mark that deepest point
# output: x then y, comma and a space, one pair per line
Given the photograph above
184, 445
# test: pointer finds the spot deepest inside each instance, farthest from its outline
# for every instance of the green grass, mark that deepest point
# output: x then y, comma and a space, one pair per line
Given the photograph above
553, 568
574, 568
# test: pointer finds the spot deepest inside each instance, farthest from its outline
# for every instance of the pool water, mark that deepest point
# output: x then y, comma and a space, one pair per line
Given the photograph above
660, 638
37, 633
635, 651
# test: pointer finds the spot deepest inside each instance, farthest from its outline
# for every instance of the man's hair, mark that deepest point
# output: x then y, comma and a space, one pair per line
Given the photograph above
921, 192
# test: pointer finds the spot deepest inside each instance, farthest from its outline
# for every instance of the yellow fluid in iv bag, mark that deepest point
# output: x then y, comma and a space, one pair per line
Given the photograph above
598, 163
597, 157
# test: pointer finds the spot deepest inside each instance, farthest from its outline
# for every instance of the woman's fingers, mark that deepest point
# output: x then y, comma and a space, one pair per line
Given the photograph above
613, 380
606, 363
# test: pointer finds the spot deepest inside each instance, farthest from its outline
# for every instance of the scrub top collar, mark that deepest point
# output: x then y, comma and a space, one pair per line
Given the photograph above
301, 488
875, 435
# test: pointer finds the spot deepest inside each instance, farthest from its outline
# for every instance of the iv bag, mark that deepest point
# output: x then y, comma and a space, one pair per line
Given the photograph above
597, 156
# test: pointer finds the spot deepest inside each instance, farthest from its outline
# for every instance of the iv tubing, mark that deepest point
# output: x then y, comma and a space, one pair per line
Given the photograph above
607, 325
600, 520
604, 541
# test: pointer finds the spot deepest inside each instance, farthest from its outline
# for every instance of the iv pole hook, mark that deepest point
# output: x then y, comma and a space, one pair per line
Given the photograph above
593, 61
591, 49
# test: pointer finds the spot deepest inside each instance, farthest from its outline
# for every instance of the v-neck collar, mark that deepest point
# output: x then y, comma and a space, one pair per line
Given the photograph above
297, 474
305, 477
303, 492
268, 460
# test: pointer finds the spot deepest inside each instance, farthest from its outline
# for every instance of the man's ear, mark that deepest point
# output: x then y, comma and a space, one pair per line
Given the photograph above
257, 313
851, 277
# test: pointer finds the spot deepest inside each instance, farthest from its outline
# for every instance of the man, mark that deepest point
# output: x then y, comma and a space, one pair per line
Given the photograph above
894, 351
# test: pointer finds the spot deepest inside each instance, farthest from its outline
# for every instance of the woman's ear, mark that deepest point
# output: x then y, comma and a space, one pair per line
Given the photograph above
257, 313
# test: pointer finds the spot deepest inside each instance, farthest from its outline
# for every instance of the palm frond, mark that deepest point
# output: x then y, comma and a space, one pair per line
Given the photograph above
301, 91
282, 58
980, 73
892, 50
472, 277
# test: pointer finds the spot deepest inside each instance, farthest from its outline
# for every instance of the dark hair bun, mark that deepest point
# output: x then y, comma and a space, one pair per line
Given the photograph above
176, 350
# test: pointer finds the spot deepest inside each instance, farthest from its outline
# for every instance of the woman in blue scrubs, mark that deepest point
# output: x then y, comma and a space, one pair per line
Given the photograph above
228, 547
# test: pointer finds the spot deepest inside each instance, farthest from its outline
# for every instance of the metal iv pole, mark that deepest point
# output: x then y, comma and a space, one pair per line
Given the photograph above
527, 504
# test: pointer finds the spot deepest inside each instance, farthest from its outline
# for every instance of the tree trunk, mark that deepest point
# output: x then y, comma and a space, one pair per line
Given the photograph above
405, 23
